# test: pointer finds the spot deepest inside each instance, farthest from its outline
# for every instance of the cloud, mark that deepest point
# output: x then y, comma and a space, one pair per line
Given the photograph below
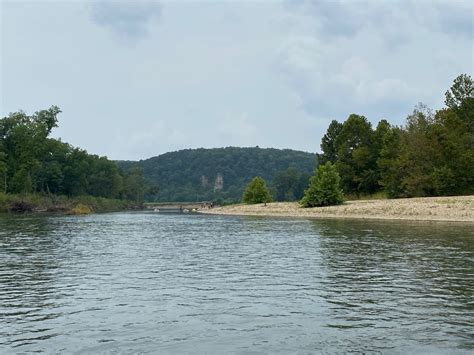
343, 18
227, 73
332, 82
370, 57
129, 20
456, 20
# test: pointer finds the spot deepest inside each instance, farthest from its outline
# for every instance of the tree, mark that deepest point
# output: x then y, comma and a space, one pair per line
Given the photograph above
32, 162
356, 162
328, 142
134, 187
104, 178
419, 154
256, 192
324, 188
289, 185
454, 130
461, 90
390, 174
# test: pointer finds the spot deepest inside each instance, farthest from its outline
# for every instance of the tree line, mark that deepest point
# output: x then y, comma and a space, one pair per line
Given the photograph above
432, 154
32, 162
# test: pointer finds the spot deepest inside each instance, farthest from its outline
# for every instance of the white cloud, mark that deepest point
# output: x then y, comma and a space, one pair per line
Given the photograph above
215, 74
373, 58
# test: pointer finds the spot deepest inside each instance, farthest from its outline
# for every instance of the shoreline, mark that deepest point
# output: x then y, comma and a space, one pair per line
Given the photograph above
442, 209
38, 203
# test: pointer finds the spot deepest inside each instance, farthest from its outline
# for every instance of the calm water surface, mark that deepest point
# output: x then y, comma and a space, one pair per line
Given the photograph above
148, 283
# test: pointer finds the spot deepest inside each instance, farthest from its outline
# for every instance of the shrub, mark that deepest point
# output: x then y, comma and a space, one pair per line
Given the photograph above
256, 192
324, 188
80, 209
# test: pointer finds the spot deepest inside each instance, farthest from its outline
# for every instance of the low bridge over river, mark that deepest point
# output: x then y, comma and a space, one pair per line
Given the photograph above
177, 206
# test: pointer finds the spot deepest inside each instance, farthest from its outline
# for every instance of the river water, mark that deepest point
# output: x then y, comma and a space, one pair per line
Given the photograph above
164, 283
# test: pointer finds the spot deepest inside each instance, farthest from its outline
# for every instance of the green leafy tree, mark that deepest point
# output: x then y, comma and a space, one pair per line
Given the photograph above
453, 128
31, 162
390, 173
328, 143
256, 192
104, 178
289, 185
324, 188
461, 91
76, 173
134, 186
356, 162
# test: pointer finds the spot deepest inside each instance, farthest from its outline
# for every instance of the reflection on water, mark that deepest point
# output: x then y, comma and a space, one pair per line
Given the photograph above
142, 282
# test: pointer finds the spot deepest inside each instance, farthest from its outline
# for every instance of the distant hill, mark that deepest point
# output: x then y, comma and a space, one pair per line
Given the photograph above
217, 174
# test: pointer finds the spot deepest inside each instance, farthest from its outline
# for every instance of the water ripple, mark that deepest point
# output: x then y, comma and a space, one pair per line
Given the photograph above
142, 282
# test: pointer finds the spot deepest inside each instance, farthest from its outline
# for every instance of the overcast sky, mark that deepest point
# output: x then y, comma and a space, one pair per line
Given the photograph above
137, 79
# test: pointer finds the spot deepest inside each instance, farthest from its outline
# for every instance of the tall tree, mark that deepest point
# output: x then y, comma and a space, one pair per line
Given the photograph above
461, 91
390, 174
328, 143
419, 153
356, 162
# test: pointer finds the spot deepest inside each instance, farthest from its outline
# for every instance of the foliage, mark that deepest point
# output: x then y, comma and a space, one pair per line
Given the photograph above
289, 185
432, 154
356, 161
461, 91
190, 174
324, 188
80, 209
31, 162
328, 143
256, 192
53, 203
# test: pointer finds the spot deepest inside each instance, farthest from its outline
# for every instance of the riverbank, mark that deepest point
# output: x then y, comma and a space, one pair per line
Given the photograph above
72, 205
452, 209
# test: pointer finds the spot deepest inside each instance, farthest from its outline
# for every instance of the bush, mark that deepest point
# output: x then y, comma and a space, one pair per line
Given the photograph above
256, 192
324, 188
80, 209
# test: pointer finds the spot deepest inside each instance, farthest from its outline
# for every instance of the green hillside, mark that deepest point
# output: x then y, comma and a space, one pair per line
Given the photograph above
218, 174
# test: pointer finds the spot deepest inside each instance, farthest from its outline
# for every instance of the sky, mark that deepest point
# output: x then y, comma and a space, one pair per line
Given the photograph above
140, 78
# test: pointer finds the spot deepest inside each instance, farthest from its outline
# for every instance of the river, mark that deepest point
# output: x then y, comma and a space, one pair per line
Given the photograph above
173, 283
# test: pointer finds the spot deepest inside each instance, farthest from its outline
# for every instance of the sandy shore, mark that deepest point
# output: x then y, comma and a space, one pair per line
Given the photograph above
453, 209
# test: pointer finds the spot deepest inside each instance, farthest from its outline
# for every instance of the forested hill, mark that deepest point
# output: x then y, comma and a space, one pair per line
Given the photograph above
218, 174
